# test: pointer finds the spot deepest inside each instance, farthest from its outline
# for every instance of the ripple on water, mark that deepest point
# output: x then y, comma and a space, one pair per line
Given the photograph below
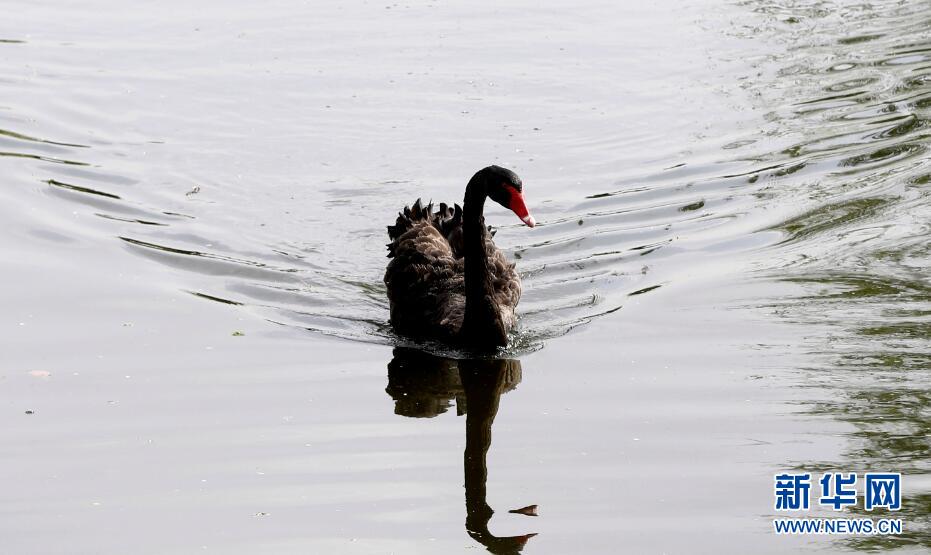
816, 173
846, 104
857, 241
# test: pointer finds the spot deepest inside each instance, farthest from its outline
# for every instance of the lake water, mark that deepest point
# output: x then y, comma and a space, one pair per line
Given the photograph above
730, 277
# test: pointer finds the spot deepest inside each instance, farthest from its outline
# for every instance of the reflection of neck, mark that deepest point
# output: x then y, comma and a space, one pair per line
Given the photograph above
482, 395
483, 386
482, 324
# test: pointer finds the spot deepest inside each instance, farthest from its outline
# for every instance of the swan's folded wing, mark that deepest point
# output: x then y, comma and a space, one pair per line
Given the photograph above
425, 283
506, 283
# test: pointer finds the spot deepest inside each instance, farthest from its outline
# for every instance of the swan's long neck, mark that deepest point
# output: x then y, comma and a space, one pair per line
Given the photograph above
482, 325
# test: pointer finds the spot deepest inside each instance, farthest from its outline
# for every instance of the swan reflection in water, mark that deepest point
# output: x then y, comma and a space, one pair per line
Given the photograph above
424, 385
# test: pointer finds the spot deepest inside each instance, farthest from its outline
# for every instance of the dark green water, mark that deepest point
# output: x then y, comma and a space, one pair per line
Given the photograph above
730, 277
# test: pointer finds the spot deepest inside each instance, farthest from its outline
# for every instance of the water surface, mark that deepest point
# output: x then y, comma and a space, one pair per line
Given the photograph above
730, 276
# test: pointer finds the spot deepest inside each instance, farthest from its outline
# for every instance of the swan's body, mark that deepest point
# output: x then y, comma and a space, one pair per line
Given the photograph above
426, 276
447, 280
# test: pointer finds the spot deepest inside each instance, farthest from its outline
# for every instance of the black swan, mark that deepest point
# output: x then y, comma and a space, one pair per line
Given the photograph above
446, 280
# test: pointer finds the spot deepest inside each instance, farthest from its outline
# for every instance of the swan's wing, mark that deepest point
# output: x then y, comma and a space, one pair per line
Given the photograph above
506, 283
425, 281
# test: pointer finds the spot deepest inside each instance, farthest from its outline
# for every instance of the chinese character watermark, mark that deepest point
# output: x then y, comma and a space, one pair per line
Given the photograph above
881, 490
792, 492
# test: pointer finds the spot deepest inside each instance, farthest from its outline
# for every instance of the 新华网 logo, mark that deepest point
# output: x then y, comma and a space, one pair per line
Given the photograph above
838, 490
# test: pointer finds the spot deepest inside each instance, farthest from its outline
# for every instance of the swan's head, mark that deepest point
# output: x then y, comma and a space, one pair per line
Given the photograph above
505, 188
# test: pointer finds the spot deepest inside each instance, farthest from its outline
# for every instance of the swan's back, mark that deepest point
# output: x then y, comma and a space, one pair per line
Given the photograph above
426, 276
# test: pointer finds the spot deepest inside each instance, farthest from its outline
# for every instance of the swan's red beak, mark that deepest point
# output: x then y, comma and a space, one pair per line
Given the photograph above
518, 207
